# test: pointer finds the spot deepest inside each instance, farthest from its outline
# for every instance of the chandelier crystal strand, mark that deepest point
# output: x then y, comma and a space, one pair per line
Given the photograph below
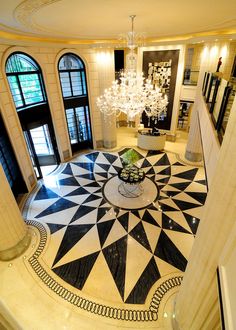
133, 94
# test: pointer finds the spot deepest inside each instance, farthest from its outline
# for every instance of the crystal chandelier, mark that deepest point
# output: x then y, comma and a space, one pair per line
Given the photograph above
133, 94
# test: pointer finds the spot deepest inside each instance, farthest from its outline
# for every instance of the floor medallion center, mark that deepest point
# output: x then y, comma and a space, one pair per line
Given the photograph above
114, 194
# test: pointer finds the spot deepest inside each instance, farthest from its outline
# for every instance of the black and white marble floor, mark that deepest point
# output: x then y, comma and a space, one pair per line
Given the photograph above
114, 248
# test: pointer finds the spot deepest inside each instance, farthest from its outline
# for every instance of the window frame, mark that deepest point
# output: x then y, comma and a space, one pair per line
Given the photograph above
37, 72
70, 71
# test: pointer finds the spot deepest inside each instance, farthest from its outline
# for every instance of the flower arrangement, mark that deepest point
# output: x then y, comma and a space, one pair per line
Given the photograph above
132, 173
130, 157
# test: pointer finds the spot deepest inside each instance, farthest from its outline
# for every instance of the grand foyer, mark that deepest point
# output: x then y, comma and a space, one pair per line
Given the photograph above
79, 260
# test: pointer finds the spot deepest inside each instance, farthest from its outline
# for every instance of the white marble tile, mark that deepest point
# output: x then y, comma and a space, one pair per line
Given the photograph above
137, 260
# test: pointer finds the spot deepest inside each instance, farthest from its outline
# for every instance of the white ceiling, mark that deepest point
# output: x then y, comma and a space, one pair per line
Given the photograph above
105, 19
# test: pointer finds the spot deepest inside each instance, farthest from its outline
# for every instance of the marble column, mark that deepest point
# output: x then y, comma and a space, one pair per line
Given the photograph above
197, 304
14, 236
106, 73
193, 150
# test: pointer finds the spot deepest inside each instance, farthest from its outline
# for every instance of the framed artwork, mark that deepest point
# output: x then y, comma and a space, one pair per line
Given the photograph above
161, 67
214, 92
225, 109
211, 88
218, 101
206, 84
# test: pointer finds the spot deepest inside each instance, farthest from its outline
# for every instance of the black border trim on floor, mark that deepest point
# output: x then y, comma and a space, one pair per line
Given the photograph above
102, 310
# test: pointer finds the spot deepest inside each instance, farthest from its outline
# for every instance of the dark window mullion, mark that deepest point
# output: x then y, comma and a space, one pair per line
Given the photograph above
71, 89
86, 122
22, 73
21, 91
82, 85
42, 86
76, 124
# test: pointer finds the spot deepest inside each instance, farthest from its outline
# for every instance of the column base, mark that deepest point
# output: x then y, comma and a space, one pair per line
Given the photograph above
16, 250
109, 144
193, 156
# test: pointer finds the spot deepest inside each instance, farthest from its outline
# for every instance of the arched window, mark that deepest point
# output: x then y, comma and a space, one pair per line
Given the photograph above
74, 90
25, 80
27, 87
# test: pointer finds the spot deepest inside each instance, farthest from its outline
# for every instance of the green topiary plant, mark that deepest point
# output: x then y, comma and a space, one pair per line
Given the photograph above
130, 157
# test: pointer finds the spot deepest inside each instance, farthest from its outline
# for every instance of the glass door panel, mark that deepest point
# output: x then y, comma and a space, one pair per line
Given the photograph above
79, 128
40, 148
72, 126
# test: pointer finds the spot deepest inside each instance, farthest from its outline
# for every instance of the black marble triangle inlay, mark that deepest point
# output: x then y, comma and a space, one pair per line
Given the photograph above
146, 163
184, 205
178, 164
154, 152
76, 272
60, 205
78, 191
167, 251
86, 166
82, 211
115, 255
68, 182
163, 161
200, 197
105, 167
111, 158
92, 156
104, 175
189, 175
124, 220
149, 276
150, 171
104, 229
72, 236
45, 193
91, 198
167, 208
102, 211
88, 176
166, 171
193, 222
181, 185
139, 234
170, 224
203, 182
54, 227
147, 217
67, 170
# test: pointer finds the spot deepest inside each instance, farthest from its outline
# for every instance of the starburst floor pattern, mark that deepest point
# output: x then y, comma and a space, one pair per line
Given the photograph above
107, 249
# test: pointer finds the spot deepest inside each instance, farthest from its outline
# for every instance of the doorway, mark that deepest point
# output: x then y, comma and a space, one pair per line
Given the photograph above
79, 127
42, 149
